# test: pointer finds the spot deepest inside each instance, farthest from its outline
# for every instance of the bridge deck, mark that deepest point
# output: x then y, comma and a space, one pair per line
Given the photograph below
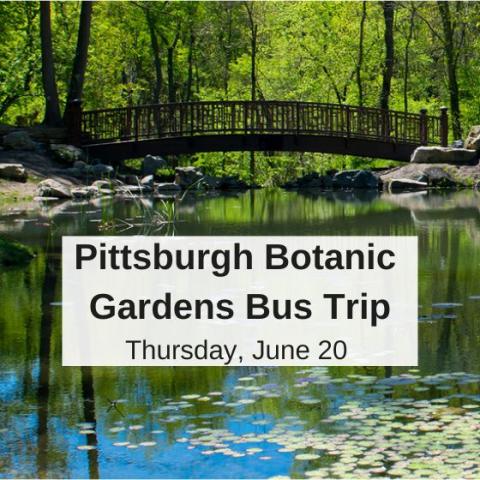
262, 125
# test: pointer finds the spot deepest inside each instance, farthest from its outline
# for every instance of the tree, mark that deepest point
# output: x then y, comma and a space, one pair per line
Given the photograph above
253, 26
451, 57
17, 82
388, 15
52, 106
406, 60
81, 55
358, 69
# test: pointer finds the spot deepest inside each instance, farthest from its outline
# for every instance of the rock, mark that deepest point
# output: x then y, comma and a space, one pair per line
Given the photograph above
311, 180
437, 177
52, 188
167, 187
80, 165
443, 155
405, 184
73, 172
232, 183
211, 183
13, 171
457, 144
130, 190
85, 192
147, 181
344, 179
66, 153
365, 180
104, 187
187, 176
131, 180
19, 141
101, 170
472, 141
152, 163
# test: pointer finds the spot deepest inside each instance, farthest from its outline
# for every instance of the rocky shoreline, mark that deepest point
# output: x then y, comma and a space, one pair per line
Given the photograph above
46, 171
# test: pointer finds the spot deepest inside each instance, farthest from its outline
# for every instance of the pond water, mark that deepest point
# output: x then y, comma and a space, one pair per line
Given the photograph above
246, 422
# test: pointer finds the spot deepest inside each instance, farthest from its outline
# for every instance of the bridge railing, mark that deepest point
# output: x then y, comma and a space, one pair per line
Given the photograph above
268, 117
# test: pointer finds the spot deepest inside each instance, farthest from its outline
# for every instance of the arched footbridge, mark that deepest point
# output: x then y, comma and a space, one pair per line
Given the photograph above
223, 126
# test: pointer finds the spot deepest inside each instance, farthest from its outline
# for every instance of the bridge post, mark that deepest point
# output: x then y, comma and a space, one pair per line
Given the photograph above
349, 126
444, 126
135, 123
73, 119
423, 127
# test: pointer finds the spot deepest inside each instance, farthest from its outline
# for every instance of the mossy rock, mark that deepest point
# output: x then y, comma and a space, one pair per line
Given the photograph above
14, 254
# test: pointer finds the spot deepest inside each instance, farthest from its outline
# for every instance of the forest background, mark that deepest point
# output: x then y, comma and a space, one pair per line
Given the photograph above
397, 55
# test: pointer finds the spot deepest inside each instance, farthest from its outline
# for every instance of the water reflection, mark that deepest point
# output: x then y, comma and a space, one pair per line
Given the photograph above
244, 422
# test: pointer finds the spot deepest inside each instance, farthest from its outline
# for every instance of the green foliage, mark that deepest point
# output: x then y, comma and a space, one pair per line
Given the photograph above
141, 52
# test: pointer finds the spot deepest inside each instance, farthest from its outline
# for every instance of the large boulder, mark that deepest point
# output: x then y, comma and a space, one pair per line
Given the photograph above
472, 141
52, 188
13, 171
438, 177
344, 179
365, 180
444, 155
19, 141
152, 163
185, 177
405, 185
68, 154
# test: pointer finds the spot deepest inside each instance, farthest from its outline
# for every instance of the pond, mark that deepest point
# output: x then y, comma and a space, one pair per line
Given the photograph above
246, 422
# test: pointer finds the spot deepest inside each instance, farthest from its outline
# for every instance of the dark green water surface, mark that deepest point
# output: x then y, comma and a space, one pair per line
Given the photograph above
246, 422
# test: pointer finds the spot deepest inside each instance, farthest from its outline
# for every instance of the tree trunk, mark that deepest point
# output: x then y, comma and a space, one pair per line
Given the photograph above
171, 75
253, 72
81, 55
156, 58
52, 107
188, 86
407, 59
448, 33
253, 78
358, 72
388, 13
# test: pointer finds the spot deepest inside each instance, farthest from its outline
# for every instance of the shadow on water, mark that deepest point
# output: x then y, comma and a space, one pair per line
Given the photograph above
90, 418
43, 391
